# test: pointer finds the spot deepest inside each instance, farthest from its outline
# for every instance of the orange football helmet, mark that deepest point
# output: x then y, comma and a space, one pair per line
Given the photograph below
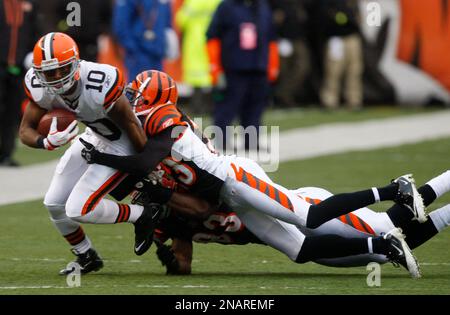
151, 88
56, 62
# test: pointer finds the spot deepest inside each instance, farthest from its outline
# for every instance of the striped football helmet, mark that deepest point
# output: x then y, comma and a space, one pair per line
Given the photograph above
56, 62
151, 88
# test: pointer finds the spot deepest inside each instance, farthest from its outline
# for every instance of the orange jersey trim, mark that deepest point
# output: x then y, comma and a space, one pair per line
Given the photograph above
115, 91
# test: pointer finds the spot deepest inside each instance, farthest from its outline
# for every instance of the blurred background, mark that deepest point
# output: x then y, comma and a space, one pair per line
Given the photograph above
404, 53
235, 59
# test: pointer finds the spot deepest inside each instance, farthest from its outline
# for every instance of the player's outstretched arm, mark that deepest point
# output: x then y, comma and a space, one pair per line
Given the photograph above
141, 164
124, 117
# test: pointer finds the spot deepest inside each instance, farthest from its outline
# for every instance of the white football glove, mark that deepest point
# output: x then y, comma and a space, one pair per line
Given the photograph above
56, 138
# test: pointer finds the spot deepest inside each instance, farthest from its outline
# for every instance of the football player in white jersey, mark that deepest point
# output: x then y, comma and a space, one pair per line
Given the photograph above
94, 93
243, 185
223, 226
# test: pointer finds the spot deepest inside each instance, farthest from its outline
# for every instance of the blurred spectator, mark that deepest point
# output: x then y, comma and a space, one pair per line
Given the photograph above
143, 28
291, 21
241, 44
17, 32
343, 55
193, 19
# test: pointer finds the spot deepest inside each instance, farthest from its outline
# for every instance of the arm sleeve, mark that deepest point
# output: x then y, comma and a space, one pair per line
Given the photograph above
155, 150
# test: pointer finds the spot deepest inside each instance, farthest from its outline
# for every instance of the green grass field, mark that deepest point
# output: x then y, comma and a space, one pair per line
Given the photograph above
32, 252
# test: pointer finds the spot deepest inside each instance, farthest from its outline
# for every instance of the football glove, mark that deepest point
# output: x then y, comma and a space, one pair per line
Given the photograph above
56, 139
89, 152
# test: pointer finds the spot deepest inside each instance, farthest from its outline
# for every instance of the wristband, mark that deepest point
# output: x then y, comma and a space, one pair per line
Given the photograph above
40, 142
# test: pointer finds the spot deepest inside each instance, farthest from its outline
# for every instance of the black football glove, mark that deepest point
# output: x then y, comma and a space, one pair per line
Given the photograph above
168, 259
89, 152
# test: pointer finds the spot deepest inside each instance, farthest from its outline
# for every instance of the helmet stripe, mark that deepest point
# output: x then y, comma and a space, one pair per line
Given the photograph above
170, 90
41, 45
52, 53
46, 48
159, 93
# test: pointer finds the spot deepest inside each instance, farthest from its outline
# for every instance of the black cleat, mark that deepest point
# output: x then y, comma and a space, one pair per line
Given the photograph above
409, 197
89, 261
398, 252
144, 227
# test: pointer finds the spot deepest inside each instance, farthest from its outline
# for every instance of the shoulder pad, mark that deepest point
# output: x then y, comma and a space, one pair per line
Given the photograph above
161, 118
35, 91
103, 82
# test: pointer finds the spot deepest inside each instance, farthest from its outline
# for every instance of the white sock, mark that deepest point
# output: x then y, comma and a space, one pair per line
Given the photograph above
83, 246
135, 213
107, 211
440, 184
376, 194
370, 245
441, 217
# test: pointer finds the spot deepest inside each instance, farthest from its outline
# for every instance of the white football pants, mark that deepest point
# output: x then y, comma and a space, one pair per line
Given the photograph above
248, 189
77, 189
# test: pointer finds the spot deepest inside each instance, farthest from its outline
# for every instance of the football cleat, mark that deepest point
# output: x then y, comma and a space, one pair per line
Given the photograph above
398, 252
89, 261
409, 197
144, 227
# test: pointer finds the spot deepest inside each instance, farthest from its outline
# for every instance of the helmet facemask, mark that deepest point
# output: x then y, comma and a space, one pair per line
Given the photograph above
58, 77
136, 98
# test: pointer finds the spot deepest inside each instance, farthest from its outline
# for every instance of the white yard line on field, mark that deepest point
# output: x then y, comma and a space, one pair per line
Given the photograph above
31, 182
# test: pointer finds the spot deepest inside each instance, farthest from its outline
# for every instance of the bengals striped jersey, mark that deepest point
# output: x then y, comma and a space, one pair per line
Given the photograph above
100, 86
192, 160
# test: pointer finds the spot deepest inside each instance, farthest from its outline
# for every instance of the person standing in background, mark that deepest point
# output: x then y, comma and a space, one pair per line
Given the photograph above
17, 32
343, 54
193, 19
291, 21
142, 27
242, 46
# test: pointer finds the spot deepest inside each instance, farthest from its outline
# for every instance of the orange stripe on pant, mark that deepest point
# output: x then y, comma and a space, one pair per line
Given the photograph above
263, 187
95, 198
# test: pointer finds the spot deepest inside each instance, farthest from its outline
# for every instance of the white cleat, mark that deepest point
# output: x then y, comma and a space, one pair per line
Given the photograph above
400, 253
409, 197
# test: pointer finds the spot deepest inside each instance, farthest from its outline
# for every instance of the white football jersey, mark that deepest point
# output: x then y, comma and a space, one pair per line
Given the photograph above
99, 87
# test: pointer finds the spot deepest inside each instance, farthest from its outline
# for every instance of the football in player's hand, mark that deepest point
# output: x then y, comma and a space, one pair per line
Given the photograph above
64, 116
